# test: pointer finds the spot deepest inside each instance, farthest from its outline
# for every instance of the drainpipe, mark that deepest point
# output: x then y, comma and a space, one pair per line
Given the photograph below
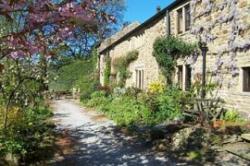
168, 27
204, 49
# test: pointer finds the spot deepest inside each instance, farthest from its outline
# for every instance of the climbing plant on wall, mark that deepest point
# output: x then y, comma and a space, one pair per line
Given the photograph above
121, 64
231, 13
167, 50
107, 70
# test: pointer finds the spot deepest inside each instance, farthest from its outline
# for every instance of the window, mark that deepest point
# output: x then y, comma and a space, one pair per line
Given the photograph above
180, 76
187, 17
139, 79
246, 79
179, 21
183, 19
188, 77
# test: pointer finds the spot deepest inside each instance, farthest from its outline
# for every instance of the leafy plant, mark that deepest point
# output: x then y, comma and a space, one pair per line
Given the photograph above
127, 111
120, 65
29, 135
98, 100
232, 116
156, 87
167, 50
107, 70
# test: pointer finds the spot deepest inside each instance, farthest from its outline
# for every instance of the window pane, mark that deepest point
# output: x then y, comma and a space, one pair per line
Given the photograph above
142, 84
188, 77
136, 78
187, 17
139, 79
180, 21
246, 79
180, 76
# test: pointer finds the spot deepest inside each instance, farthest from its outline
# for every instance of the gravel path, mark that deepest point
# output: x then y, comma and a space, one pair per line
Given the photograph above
98, 141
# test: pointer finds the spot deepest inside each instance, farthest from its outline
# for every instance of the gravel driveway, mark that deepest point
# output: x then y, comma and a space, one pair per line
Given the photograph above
98, 143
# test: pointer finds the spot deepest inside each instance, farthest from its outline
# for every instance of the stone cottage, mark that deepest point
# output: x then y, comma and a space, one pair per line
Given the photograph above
223, 24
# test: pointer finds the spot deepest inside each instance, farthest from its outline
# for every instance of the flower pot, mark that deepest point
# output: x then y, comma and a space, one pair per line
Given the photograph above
218, 123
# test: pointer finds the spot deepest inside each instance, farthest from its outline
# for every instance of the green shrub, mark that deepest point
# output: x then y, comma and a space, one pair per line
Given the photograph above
139, 108
132, 91
98, 100
194, 155
121, 64
232, 116
106, 89
150, 100
119, 91
169, 109
127, 111
166, 51
107, 70
30, 137
166, 106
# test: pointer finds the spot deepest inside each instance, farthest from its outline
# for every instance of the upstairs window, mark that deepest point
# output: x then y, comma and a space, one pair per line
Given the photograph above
183, 19
246, 79
179, 21
140, 78
187, 17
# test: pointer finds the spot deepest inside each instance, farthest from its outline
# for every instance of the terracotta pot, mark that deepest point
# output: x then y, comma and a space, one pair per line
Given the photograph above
218, 123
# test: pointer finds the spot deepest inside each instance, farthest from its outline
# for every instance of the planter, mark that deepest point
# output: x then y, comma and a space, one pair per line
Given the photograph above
218, 123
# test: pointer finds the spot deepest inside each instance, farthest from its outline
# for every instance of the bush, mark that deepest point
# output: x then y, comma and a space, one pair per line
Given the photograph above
30, 136
127, 111
132, 91
121, 64
106, 89
150, 100
138, 108
107, 70
99, 100
119, 91
167, 50
156, 87
232, 116
169, 108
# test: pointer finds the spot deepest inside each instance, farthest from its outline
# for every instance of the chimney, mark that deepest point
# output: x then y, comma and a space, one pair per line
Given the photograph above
158, 9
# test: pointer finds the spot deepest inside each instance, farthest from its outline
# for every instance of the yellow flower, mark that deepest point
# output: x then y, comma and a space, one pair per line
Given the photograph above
156, 87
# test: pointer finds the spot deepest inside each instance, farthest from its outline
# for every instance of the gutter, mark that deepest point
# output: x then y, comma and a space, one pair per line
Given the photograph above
146, 23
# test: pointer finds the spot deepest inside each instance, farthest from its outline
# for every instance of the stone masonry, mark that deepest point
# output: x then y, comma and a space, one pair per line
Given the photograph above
223, 24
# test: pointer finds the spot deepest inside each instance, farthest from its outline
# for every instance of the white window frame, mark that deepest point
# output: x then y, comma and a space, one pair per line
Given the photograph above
139, 81
183, 8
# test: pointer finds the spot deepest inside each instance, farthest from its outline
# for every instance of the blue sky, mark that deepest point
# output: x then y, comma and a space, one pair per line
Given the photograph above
141, 10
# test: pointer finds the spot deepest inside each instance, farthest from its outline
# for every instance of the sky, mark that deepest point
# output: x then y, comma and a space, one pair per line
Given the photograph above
141, 10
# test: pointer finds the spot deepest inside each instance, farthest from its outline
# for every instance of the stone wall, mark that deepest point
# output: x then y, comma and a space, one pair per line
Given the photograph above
142, 41
223, 24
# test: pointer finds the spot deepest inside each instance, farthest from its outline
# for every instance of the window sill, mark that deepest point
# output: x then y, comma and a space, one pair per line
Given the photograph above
183, 33
245, 93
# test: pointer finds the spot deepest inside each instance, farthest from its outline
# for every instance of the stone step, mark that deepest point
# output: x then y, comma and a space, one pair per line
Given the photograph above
241, 149
246, 136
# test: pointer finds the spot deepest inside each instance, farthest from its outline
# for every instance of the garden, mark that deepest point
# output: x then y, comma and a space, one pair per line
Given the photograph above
39, 40
49, 49
173, 119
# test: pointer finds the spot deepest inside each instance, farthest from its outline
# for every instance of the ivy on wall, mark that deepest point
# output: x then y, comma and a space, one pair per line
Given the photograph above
107, 70
121, 64
167, 50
